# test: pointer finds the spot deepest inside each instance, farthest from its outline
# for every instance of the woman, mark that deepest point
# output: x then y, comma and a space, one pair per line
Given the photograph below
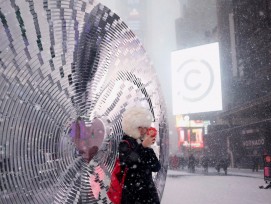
135, 154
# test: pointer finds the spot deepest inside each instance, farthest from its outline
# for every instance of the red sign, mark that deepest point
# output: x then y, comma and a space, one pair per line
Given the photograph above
190, 137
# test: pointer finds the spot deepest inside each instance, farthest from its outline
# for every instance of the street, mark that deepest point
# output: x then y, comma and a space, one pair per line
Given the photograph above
240, 186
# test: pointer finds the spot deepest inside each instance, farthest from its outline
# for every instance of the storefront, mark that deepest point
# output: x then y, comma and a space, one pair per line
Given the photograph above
248, 145
244, 145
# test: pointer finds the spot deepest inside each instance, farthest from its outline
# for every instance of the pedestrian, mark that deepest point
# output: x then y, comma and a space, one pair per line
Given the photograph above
205, 163
191, 163
176, 161
182, 162
218, 165
136, 154
255, 163
224, 163
238, 162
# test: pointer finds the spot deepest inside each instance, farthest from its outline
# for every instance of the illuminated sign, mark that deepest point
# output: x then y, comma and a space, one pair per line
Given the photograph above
190, 137
196, 80
267, 159
252, 143
182, 122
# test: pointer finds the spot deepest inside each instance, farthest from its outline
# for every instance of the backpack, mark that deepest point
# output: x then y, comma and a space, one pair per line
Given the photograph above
114, 192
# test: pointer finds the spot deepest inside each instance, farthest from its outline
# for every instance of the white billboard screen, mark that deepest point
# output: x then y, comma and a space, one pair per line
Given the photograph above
196, 79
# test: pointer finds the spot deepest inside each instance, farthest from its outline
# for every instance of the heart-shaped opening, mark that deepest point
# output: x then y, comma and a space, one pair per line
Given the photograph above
88, 138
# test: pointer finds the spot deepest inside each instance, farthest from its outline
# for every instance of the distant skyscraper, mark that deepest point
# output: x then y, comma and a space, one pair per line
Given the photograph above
133, 12
198, 24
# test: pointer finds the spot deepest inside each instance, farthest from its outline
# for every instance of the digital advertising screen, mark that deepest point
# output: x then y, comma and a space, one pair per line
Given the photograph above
190, 137
196, 79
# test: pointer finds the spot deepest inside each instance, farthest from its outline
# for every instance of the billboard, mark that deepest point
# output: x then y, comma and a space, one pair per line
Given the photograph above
190, 137
196, 79
190, 132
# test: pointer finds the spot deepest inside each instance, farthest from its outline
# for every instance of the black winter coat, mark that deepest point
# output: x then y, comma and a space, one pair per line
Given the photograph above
139, 187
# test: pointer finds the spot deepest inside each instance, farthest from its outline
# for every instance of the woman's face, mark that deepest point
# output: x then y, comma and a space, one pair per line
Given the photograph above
142, 130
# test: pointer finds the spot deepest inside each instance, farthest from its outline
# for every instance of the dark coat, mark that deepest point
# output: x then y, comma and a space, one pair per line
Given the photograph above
139, 187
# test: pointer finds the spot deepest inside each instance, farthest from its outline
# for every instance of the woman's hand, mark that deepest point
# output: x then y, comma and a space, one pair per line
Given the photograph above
148, 141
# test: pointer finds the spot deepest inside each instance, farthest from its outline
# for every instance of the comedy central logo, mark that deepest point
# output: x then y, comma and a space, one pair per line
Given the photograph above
197, 80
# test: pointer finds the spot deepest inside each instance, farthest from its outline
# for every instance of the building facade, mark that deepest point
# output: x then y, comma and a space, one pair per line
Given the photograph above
245, 38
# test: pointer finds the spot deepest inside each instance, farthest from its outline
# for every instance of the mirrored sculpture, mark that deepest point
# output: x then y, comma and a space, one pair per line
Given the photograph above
65, 64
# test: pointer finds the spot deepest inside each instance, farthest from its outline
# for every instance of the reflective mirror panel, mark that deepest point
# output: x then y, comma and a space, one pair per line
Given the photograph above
69, 69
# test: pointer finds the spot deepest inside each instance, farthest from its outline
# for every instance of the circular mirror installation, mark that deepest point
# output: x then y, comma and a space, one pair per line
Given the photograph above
68, 70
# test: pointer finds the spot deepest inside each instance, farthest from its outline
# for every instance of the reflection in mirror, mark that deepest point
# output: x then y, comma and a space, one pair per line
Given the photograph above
87, 138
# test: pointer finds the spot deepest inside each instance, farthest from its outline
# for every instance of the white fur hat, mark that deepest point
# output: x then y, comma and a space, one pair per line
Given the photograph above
134, 118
